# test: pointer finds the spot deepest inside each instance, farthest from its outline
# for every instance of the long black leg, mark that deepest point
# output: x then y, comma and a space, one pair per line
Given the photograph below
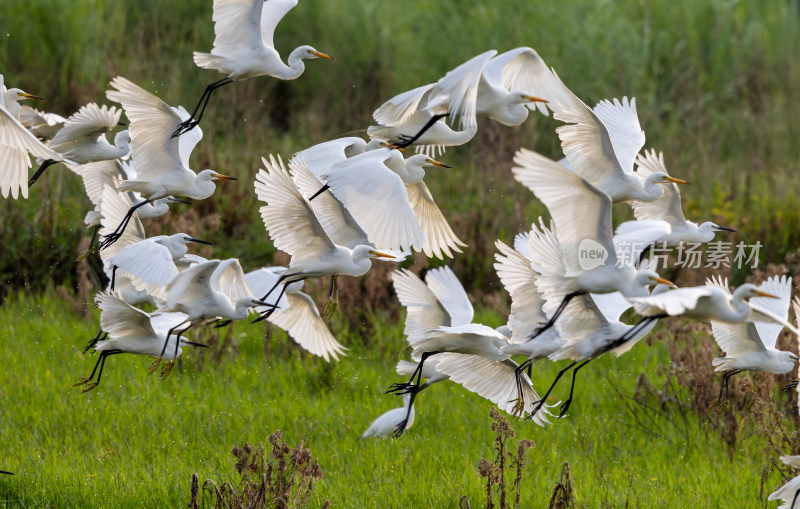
568, 297
170, 333
40, 171
723, 387
106, 355
552, 386
791, 385
406, 141
99, 337
641, 324
113, 276
94, 238
222, 323
401, 426
268, 313
794, 499
117, 233
518, 380
191, 122
6, 472
565, 406
177, 341
321, 190
410, 386
643, 255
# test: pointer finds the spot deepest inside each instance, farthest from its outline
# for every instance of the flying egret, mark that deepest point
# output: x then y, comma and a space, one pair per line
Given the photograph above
462, 93
17, 144
750, 345
244, 48
393, 422
668, 207
295, 229
790, 490
601, 144
132, 331
323, 155
43, 125
386, 194
297, 314
162, 167
83, 138
210, 290
588, 262
96, 176
438, 323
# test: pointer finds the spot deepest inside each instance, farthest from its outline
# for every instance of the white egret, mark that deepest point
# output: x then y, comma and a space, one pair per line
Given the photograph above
295, 229
323, 155
462, 93
96, 177
668, 207
207, 291
467, 353
83, 138
43, 125
393, 422
791, 490
601, 144
385, 193
244, 48
297, 314
750, 345
162, 167
132, 331
587, 261
17, 144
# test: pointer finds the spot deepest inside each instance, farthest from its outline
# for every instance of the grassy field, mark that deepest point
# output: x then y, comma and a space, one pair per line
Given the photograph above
717, 85
136, 440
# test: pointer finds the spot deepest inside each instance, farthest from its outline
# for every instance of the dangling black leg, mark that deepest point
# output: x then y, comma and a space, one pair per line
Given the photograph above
410, 386
643, 255
321, 190
40, 171
221, 323
94, 237
170, 333
555, 316
178, 341
192, 121
106, 355
113, 277
401, 426
117, 233
552, 386
268, 313
565, 406
519, 406
791, 385
794, 499
6, 472
99, 337
406, 141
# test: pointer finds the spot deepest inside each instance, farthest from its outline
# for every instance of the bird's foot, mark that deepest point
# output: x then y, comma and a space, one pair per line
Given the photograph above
154, 366
329, 308
402, 388
85, 254
791, 385
166, 369
109, 239
221, 323
89, 387
263, 316
518, 410
564, 407
184, 127
400, 428
719, 407
538, 405
83, 381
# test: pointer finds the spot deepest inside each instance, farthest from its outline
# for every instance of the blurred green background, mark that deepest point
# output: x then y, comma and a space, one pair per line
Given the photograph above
716, 84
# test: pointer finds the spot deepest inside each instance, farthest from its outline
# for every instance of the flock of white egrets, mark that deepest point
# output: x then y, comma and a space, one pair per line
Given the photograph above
343, 203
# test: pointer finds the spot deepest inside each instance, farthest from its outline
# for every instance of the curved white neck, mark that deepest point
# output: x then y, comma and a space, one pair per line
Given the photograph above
295, 67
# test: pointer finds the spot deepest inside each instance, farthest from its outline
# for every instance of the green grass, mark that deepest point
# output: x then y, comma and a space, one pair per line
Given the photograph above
136, 440
717, 84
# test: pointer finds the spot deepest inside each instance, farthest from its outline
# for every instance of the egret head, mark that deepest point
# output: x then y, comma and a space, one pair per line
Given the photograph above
659, 177
748, 290
211, 175
423, 160
308, 52
646, 277
16, 94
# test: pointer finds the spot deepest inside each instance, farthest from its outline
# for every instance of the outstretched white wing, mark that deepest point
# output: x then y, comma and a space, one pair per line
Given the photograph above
288, 217
87, 124
622, 122
520, 69
119, 319
400, 107
229, 279
301, 319
96, 176
16, 143
377, 198
519, 280
781, 287
272, 13
424, 312
457, 91
237, 24
668, 206
152, 122
448, 290
568, 196
440, 239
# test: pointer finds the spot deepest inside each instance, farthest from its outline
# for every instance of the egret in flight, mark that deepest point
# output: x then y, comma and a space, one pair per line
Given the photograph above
162, 164
244, 48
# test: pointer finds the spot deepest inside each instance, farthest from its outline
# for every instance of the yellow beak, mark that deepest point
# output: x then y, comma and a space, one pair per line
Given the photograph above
31, 96
323, 55
379, 254
664, 281
534, 99
677, 181
440, 165
220, 176
765, 294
